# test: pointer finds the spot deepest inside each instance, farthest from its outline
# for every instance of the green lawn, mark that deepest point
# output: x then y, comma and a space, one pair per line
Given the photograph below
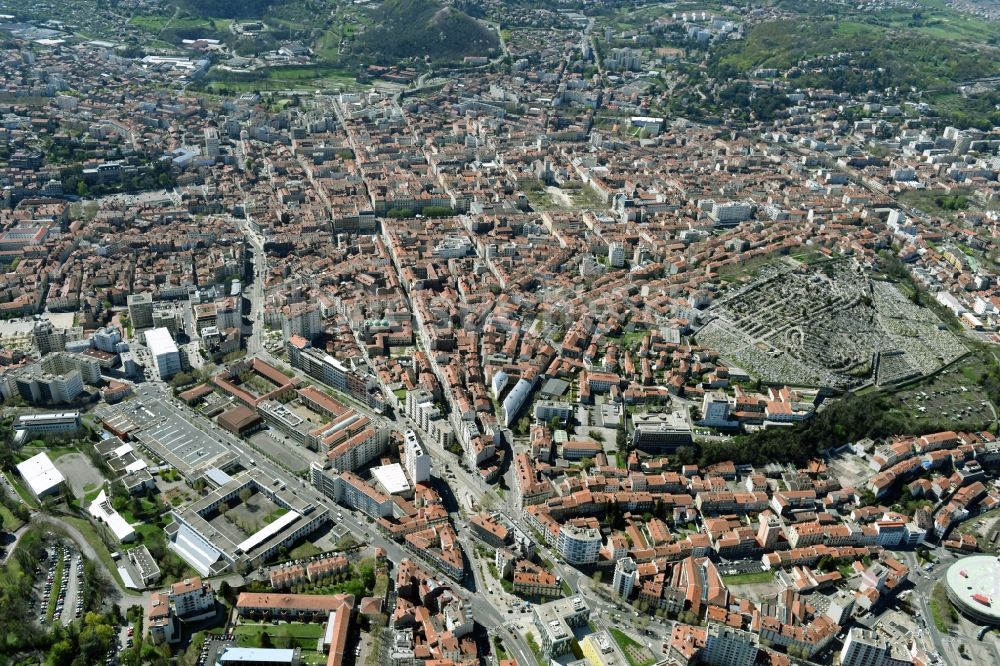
903, 55
90, 492
54, 452
274, 515
942, 610
155, 23
147, 532
628, 645
303, 550
533, 645
632, 339
749, 578
285, 635
930, 201
89, 533
21, 490
8, 520
280, 78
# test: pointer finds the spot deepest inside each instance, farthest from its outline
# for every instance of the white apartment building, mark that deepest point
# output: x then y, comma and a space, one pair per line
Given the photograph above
579, 545
164, 351
626, 576
725, 646
616, 254
417, 462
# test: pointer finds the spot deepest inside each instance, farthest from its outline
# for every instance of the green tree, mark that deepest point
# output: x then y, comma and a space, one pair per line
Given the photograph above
60, 653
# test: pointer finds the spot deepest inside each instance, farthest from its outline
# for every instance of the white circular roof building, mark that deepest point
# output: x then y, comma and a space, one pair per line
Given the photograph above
973, 585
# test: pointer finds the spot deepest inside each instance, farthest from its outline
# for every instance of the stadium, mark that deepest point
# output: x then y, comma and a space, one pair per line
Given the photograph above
973, 585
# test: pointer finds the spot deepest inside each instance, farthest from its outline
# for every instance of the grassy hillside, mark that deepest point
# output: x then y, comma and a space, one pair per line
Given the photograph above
229, 8
873, 56
423, 28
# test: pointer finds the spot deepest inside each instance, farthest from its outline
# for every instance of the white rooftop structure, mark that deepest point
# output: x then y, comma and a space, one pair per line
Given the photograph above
40, 474
27, 420
392, 478
217, 476
102, 511
973, 586
197, 552
265, 533
159, 342
238, 655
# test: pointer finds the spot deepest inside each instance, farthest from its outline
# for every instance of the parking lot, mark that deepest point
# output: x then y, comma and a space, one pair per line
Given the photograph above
282, 449
74, 600
59, 590
212, 649
850, 470
80, 473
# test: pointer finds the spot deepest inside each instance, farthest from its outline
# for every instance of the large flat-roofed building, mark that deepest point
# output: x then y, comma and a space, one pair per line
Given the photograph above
973, 586
240, 420
141, 567
107, 339
163, 350
212, 547
555, 621
43, 388
391, 480
238, 656
57, 422
166, 432
102, 512
280, 417
661, 432
599, 649
625, 578
546, 410
41, 475
51, 338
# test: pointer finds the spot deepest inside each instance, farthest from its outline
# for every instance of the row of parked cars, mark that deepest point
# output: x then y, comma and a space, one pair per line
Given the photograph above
47, 590
118, 645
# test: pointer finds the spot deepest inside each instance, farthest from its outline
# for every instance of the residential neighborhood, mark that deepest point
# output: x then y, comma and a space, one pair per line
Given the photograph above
599, 334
